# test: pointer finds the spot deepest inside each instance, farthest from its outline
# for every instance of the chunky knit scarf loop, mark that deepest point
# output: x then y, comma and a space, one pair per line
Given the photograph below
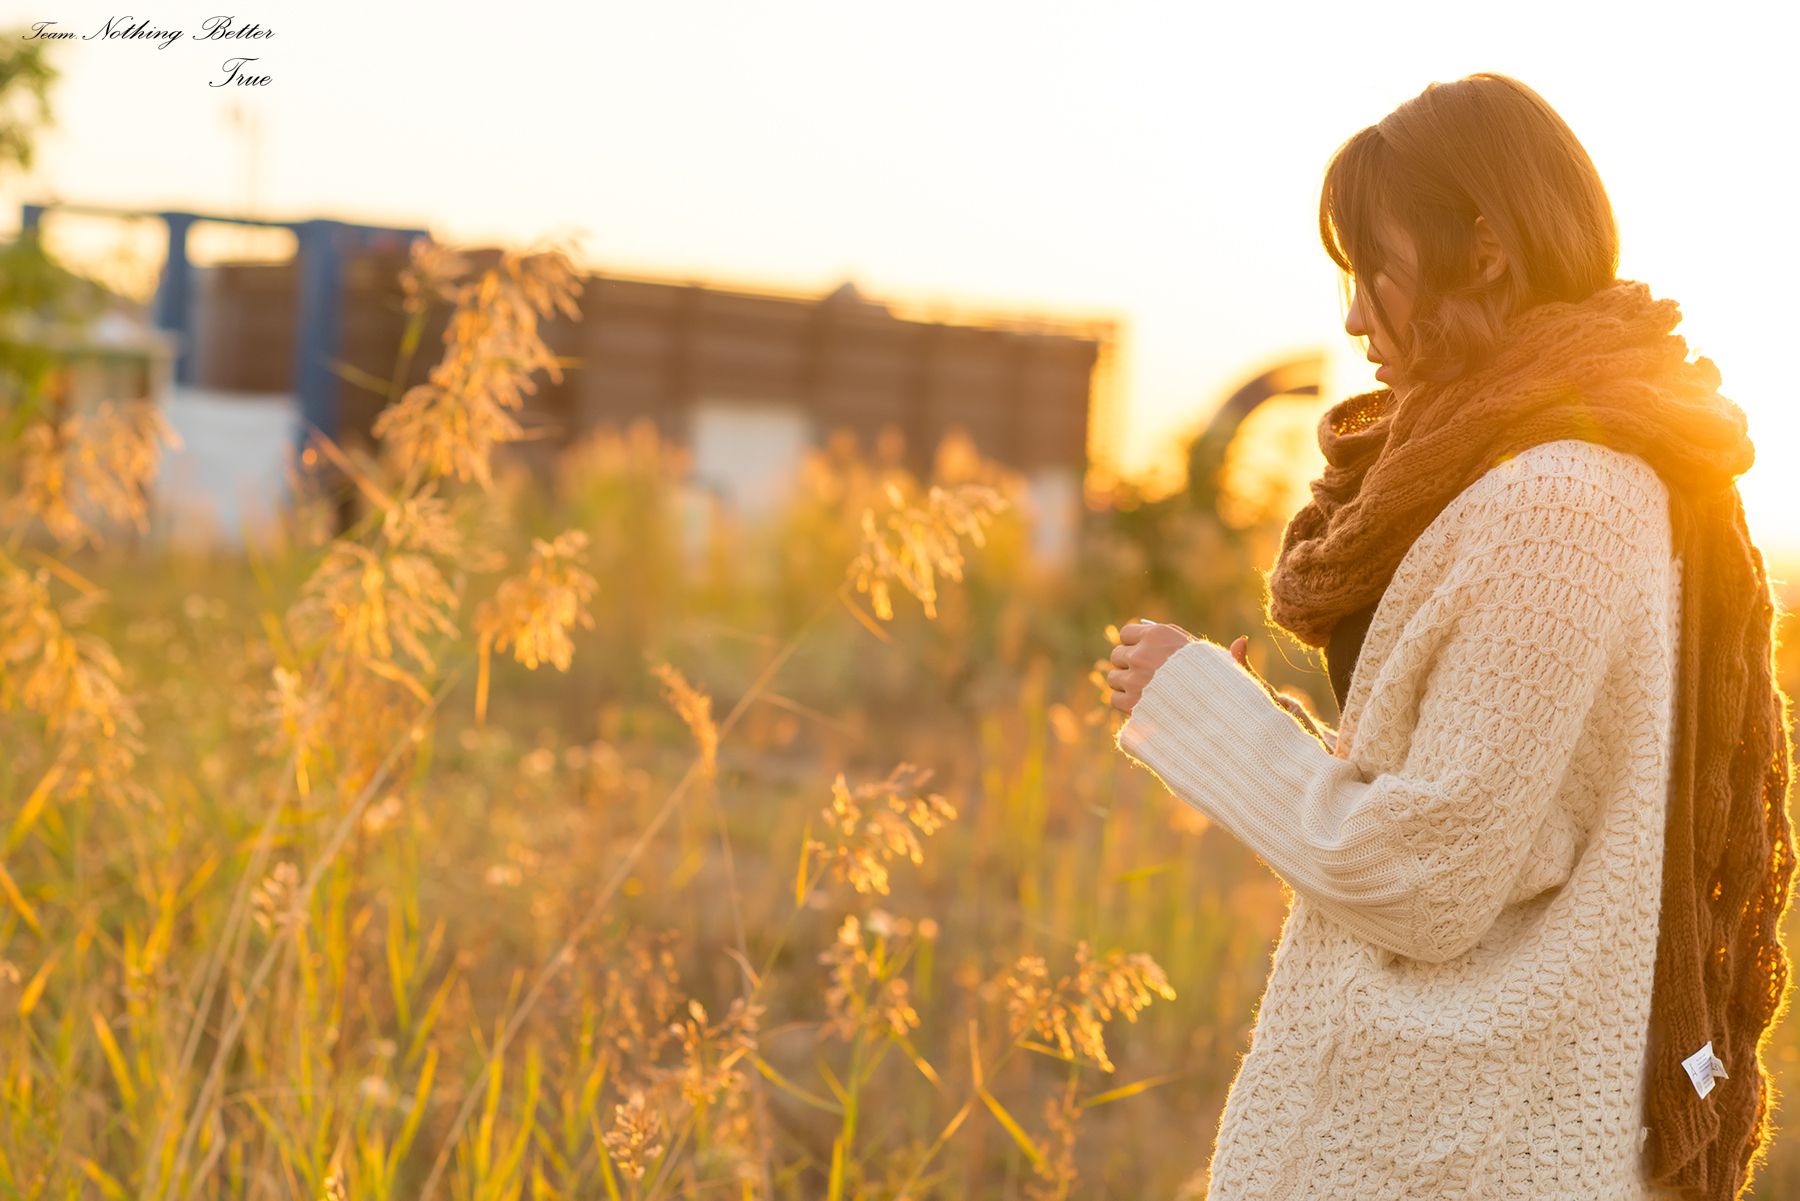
1610, 369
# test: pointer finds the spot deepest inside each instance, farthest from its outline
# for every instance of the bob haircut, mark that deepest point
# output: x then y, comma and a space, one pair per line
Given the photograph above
1485, 144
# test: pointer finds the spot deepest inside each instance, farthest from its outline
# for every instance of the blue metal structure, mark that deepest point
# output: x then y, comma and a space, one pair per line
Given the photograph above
323, 246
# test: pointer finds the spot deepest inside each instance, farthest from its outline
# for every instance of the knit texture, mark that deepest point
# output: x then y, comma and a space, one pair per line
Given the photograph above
1458, 1005
1610, 369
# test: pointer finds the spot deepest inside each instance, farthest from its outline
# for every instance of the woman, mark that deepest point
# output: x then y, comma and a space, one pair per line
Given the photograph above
1538, 870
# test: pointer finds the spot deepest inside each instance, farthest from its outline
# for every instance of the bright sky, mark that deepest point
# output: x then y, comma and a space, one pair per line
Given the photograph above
1157, 163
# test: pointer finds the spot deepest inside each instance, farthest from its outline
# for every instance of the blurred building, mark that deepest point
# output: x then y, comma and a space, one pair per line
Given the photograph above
230, 472
97, 348
746, 380
113, 355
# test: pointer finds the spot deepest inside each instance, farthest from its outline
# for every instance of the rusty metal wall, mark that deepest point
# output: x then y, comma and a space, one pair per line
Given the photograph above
655, 349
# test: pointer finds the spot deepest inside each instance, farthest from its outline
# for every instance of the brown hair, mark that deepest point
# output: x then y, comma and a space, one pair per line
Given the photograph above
1485, 144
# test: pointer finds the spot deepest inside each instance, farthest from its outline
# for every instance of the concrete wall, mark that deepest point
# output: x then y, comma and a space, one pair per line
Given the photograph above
230, 475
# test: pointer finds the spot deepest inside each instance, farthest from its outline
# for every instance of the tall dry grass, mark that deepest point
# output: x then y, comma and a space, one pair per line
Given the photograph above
823, 880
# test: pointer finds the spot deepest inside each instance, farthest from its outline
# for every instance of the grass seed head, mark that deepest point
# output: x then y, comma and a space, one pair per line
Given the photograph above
879, 822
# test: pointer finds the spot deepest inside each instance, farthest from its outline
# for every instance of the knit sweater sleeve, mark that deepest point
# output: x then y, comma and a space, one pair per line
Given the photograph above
1421, 860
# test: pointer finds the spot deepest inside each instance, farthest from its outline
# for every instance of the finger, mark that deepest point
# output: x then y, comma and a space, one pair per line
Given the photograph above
1121, 656
1131, 631
1239, 653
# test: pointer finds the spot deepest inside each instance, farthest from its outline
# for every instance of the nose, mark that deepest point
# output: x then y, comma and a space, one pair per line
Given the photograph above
1355, 323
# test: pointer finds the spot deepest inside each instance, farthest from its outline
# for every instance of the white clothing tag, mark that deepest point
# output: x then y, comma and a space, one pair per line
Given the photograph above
1703, 1067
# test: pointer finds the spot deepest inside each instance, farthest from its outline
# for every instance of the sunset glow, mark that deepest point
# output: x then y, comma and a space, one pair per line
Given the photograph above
1154, 164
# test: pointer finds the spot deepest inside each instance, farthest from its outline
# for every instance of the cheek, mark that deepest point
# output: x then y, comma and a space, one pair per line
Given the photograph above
1397, 301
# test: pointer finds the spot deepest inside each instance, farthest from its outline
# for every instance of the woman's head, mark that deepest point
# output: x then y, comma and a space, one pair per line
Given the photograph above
1467, 204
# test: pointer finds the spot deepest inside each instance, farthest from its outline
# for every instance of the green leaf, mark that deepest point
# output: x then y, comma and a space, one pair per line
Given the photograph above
1013, 1128
1129, 1090
792, 1089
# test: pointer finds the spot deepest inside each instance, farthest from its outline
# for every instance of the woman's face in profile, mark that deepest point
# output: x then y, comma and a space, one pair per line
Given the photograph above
1393, 285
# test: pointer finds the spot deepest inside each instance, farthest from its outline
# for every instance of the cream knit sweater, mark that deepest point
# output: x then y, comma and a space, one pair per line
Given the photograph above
1459, 1002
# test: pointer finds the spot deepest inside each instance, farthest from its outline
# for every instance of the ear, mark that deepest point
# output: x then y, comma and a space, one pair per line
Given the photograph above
1490, 256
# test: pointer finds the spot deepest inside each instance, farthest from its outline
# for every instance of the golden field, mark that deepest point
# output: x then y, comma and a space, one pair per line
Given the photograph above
492, 850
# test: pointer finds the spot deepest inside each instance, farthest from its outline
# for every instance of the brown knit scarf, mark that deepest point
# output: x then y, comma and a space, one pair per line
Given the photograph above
1611, 370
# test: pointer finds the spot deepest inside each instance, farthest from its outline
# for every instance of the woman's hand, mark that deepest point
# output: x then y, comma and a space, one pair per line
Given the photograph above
1143, 647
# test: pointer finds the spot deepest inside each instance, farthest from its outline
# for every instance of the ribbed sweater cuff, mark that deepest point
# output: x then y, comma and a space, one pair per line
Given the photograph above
1220, 743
